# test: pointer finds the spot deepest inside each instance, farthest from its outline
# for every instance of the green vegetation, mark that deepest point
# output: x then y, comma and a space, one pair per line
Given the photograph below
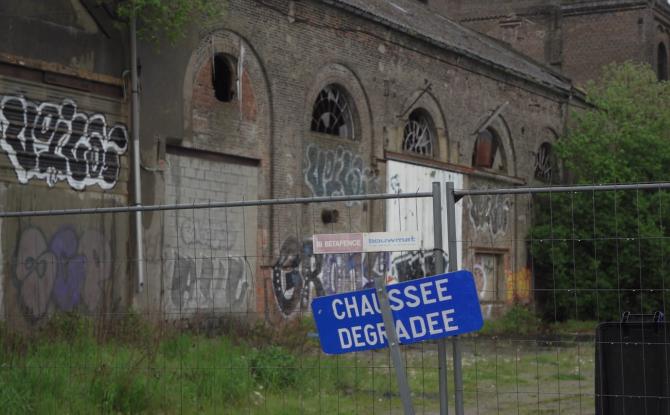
74, 366
596, 255
521, 322
518, 321
159, 19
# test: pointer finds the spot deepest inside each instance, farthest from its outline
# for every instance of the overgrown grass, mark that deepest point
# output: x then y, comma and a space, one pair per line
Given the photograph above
520, 321
75, 366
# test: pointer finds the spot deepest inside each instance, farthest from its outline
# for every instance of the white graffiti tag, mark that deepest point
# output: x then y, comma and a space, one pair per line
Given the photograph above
55, 142
337, 173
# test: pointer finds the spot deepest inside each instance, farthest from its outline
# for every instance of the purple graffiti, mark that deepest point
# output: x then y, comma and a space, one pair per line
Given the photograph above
70, 269
56, 142
66, 273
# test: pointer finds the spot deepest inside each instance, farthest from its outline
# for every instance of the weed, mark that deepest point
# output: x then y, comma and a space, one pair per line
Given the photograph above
71, 327
274, 366
519, 320
191, 373
571, 327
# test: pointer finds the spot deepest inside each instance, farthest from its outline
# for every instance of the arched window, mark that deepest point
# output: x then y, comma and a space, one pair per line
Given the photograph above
662, 62
489, 152
223, 77
332, 113
419, 134
546, 164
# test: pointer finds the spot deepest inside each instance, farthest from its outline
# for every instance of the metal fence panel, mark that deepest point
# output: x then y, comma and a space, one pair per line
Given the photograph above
223, 326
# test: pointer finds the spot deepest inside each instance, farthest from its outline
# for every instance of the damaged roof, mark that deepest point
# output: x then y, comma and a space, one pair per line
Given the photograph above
417, 20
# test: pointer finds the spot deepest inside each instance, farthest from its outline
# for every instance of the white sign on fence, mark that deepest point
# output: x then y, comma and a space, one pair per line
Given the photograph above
391, 242
338, 243
343, 243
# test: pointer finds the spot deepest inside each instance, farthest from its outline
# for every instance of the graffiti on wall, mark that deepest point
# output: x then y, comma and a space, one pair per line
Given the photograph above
485, 270
202, 283
417, 264
295, 276
64, 272
517, 286
204, 274
55, 142
337, 173
299, 275
490, 213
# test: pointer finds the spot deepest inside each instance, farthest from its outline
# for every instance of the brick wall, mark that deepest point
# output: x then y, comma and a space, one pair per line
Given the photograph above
531, 35
260, 145
288, 61
209, 255
591, 41
575, 38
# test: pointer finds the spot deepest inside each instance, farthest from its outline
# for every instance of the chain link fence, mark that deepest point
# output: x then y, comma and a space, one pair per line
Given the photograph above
571, 280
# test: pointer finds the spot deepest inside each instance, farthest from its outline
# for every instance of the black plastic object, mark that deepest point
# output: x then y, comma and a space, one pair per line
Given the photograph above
633, 366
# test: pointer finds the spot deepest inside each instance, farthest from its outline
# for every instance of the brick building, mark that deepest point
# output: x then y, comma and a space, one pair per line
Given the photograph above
275, 99
577, 37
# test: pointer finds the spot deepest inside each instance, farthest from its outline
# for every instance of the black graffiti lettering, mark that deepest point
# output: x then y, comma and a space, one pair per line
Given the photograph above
237, 282
14, 120
118, 136
296, 276
417, 264
183, 281
111, 166
50, 161
208, 279
45, 123
489, 214
55, 142
94, 156
77, 166
299, 275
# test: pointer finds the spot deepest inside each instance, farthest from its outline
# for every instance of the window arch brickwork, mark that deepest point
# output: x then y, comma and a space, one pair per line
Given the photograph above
224, 77
419, 134
489, 152
332, 112
546, 163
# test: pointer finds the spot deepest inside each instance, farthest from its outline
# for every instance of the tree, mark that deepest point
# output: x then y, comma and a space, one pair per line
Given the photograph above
598, 254
168, 19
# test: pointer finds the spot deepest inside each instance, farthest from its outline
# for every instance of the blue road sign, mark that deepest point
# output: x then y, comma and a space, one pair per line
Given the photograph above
423, 309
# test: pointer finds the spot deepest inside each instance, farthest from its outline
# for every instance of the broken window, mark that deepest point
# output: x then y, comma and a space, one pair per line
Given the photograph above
545, 163
223, 77
332, 113
489, 277
489, 152
419, 134
662, 64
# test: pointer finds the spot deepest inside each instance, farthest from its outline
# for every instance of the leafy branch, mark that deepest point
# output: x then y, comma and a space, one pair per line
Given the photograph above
158, 19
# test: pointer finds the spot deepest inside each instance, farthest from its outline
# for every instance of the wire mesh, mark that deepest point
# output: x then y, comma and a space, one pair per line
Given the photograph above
223, 323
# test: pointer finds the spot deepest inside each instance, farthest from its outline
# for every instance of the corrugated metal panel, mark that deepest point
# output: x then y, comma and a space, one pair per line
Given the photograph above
60, 137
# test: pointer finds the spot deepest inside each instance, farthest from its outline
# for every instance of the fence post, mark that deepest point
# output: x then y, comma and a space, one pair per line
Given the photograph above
394, 344
439, 269
452, 247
